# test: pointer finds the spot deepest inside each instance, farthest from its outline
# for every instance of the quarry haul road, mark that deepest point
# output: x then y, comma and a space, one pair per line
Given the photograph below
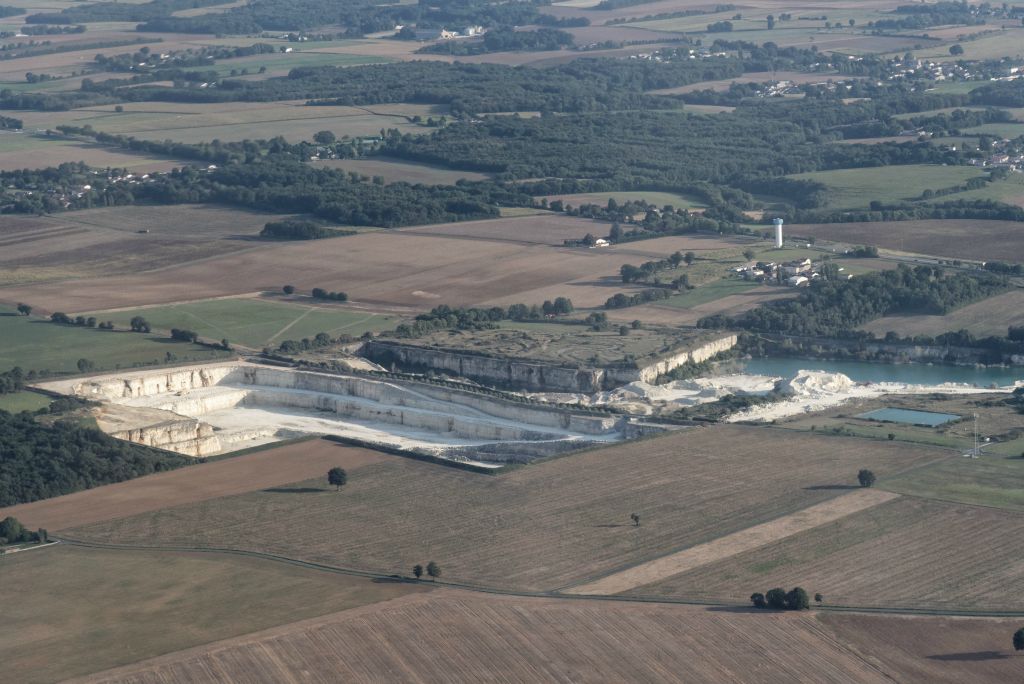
943, 612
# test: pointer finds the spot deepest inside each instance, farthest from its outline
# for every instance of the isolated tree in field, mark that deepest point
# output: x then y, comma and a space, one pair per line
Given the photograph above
324, 137
689, 257
623, 330
417, 571
288, 289
776, 598
797, 599
434, 570
757, 598
337, 477
139, 324
865, 477
24, 309
818, 598
1018, 640
635, 517
85, 365
749, 254
956, 50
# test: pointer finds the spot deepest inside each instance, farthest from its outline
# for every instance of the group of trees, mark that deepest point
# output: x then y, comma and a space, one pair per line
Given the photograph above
41, 461
320, 293
13, 532
830, 309
433, 570
780, 599
622, 300
12, 381
445, 317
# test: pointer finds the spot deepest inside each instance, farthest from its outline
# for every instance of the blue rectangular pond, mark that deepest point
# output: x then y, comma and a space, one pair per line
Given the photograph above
909, 416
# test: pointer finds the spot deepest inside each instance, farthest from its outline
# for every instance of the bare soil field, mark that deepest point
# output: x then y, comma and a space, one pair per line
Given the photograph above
381, 268
395, 170
953, 238
449, 636
522, 639
932, 649
991, 316
752, 77
81, 611
540, 229
539, 527
895, 554
110, 241
736, 543
249, 472
22, 151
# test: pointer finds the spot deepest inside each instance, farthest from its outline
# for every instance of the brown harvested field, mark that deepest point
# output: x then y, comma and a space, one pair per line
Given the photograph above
991, 316
730, 545
488, 639
953, 238
80, 611
752, 77
381, 268
586, 35
22, 151
932, 649
232, 121
904, 553
268, 468
541, 229
395, 170
543, 526
109, 241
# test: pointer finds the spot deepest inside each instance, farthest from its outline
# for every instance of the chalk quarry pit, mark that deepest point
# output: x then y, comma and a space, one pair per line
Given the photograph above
217, 408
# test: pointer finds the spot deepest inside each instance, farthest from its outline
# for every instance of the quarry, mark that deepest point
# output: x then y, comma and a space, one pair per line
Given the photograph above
210, 409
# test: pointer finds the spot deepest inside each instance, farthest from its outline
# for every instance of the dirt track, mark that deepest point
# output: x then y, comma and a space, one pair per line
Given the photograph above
260, 470
738, 542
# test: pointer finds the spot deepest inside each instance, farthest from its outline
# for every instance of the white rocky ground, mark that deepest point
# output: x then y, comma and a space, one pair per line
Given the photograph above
216, 408
807, 391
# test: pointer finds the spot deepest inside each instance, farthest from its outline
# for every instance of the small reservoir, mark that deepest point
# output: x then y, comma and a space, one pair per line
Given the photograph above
909, 416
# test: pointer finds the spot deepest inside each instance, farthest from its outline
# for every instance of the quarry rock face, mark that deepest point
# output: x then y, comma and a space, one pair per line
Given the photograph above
536, 377
212, 409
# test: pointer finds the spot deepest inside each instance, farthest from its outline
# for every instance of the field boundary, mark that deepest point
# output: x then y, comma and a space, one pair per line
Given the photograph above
735, 543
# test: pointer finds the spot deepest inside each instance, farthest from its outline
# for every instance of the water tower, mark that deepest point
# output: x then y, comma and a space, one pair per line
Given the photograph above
778, 232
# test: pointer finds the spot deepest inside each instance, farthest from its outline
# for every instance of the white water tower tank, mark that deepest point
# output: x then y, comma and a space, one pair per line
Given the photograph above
778, 232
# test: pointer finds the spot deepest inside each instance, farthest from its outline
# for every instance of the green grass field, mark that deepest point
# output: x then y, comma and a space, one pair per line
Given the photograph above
710, 292
23, 401
990, 480
256, 322
1003, 130
856, 188
1008, 43
80, 611
1009, 189
36, 344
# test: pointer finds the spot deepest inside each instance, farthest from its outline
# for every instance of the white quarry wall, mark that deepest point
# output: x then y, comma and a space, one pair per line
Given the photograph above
214, 390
